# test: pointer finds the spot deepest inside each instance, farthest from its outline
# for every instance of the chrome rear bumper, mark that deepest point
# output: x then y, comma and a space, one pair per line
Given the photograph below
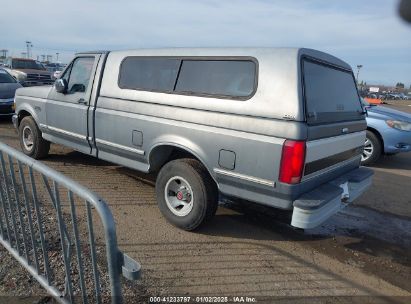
316, 206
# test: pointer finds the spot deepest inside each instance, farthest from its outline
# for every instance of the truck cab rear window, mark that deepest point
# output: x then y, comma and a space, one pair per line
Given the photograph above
330, 94
225, 78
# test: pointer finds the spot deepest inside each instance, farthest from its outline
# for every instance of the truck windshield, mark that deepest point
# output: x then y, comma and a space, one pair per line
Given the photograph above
330, 94
26, 64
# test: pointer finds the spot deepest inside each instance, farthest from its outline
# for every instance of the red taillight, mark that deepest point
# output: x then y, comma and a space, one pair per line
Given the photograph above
292, 161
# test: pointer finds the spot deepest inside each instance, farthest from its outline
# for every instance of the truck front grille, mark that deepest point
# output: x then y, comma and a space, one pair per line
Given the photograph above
38, 77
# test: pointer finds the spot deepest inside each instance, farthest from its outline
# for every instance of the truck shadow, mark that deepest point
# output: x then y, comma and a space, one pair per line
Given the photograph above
75, 158
364, 219
347, 237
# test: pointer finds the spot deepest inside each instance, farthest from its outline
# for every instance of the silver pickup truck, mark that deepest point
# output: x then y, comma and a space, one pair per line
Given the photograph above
282, 127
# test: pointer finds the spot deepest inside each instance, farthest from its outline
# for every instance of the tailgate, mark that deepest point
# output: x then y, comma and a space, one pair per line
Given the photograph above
333, 152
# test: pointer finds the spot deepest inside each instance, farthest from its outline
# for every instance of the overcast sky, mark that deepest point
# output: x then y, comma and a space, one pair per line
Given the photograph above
367, 32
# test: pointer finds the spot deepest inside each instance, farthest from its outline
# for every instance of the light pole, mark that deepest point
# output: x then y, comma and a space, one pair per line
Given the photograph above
28, 46
359, 66
358, 71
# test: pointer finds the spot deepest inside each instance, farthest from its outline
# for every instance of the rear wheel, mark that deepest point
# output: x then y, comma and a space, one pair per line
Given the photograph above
31, 141
372, 149
186, 194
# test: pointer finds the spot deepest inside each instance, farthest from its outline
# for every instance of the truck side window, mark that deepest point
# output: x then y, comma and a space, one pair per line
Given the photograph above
79, 76
203, 77
66, 74
217, 77
150, 74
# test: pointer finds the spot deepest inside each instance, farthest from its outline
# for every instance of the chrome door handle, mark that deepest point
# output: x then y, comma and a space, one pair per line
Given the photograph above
82, 101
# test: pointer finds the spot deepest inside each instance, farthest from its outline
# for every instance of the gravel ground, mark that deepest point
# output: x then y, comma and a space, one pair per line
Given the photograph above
360, 255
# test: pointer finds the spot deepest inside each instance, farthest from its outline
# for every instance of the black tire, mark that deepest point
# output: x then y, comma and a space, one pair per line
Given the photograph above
376, 149
204, 193
40, 147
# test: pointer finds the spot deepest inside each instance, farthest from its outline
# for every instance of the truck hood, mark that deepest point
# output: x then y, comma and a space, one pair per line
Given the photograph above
7, 90
387, 113
39, 92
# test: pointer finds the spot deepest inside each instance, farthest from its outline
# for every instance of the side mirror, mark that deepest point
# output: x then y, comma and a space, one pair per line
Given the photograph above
364, 110
61, 85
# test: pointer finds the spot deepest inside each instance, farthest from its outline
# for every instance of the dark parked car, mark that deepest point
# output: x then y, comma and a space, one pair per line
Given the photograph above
8, 87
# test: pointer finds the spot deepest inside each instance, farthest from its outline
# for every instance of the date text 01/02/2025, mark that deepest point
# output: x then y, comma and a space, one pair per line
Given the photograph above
201, 299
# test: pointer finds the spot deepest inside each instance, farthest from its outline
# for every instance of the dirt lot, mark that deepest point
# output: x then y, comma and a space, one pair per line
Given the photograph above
361, 255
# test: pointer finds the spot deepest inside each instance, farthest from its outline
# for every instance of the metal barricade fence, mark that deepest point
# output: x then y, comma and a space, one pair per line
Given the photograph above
47, 224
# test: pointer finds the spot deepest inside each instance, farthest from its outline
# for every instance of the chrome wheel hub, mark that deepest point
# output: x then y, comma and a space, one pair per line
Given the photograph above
179, 196
28, 140
368, 150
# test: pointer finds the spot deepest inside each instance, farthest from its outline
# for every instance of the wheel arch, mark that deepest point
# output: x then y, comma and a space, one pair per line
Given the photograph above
379, 136
21, 115
163, 152
24, 112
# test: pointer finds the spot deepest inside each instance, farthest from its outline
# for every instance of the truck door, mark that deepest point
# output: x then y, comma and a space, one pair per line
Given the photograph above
66, 114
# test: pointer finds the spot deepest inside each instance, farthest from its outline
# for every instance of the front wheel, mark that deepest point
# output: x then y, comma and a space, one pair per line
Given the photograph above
186, 194
31, 141
372, 149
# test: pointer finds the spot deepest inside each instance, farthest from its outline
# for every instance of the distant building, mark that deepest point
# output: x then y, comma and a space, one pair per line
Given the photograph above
384, 89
